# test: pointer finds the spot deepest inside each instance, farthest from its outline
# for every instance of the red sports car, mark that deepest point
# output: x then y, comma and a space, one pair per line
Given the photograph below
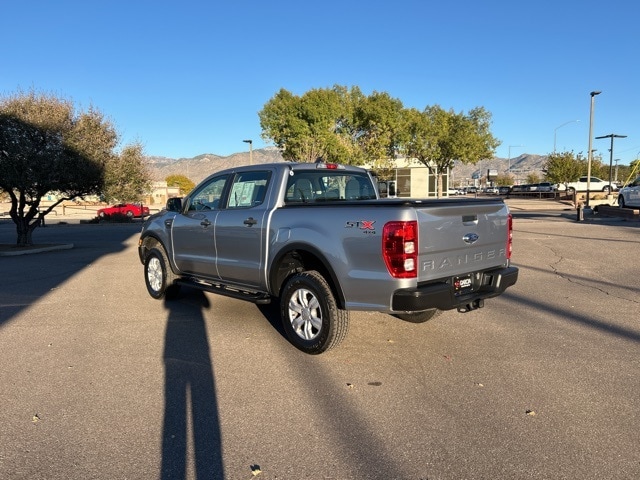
131, 210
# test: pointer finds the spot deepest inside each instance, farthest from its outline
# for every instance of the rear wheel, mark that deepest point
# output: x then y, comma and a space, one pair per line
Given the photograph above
158, 275
418, 317
310, 315
621, 203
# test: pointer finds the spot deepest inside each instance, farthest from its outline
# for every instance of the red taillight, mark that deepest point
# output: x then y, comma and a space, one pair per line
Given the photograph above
509, 236
400, 248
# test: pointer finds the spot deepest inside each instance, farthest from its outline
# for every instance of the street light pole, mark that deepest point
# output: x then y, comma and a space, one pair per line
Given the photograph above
509, 159
593, 94
250, 142
556, 130
616, 160
611, 136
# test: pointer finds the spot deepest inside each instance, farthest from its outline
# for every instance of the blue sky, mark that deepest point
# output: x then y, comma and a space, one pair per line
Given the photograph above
189, 77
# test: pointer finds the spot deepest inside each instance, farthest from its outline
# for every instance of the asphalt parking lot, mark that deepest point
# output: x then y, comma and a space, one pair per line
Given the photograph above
99, 381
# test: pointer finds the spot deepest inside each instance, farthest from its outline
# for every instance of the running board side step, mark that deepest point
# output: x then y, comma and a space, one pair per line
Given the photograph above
259, 298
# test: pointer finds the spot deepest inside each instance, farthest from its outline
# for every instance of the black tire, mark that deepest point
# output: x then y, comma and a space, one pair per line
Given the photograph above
158, 276
310, 315
129, 214
102, 214
621, 203
571, 191
418, 317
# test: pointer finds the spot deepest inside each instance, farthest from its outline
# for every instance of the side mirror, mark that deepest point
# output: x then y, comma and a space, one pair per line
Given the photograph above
174, 204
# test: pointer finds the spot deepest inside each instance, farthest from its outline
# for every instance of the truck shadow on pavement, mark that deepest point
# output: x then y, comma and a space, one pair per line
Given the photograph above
191, 409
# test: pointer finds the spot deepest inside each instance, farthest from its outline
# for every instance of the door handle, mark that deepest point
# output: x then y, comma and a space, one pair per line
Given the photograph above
205, 223
250, 221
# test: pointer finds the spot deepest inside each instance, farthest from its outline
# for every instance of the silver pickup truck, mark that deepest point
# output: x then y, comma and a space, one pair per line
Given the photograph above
317, 238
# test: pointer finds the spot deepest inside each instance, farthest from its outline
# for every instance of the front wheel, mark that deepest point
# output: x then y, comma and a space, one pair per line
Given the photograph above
311, 318
418, 317
158, 275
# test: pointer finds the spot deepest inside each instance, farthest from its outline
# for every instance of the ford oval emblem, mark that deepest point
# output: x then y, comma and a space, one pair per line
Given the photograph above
470, 238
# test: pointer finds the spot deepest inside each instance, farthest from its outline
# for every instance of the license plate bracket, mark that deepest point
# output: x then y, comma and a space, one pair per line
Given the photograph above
462, 284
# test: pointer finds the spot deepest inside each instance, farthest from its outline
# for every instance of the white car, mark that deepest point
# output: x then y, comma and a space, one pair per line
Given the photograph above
629, 196
597, 185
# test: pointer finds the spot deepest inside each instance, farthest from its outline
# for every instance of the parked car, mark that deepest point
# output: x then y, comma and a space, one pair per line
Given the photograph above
504, 190
453, 191
629, 196
131, 210
543, 187
597, 185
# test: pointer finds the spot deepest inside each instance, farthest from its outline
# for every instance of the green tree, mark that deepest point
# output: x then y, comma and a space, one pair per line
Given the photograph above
564, 167
628, 174
381, 120
533, 178
182, 182
437, 138
127, 177
338, 124
46, 146
303, 128
504, 180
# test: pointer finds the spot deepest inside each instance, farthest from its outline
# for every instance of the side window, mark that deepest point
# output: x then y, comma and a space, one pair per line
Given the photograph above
207, 197
248, 189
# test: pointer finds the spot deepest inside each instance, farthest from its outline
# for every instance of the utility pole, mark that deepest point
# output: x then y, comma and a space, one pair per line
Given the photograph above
250, 142
611, 136
589, 153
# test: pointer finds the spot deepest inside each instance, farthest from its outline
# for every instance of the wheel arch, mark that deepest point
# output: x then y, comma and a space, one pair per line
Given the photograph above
300, 257
622, 202
149, 241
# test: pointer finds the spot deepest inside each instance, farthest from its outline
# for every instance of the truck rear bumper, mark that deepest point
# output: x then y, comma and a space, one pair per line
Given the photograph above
442, 295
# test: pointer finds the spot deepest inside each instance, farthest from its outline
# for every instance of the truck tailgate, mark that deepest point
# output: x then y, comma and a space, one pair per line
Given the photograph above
460, 237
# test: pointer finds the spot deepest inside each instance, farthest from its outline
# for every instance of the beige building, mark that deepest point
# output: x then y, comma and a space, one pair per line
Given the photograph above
160, 193
415, 180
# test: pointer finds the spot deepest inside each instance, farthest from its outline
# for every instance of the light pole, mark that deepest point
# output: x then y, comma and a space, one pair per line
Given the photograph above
611, 136
616, 160
555, 131
509, 159
250, 142
593, 94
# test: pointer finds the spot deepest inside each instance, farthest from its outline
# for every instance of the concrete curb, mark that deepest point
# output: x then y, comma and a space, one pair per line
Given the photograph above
12, 251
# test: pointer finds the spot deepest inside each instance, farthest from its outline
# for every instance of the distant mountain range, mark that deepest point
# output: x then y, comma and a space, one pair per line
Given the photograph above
200, 167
